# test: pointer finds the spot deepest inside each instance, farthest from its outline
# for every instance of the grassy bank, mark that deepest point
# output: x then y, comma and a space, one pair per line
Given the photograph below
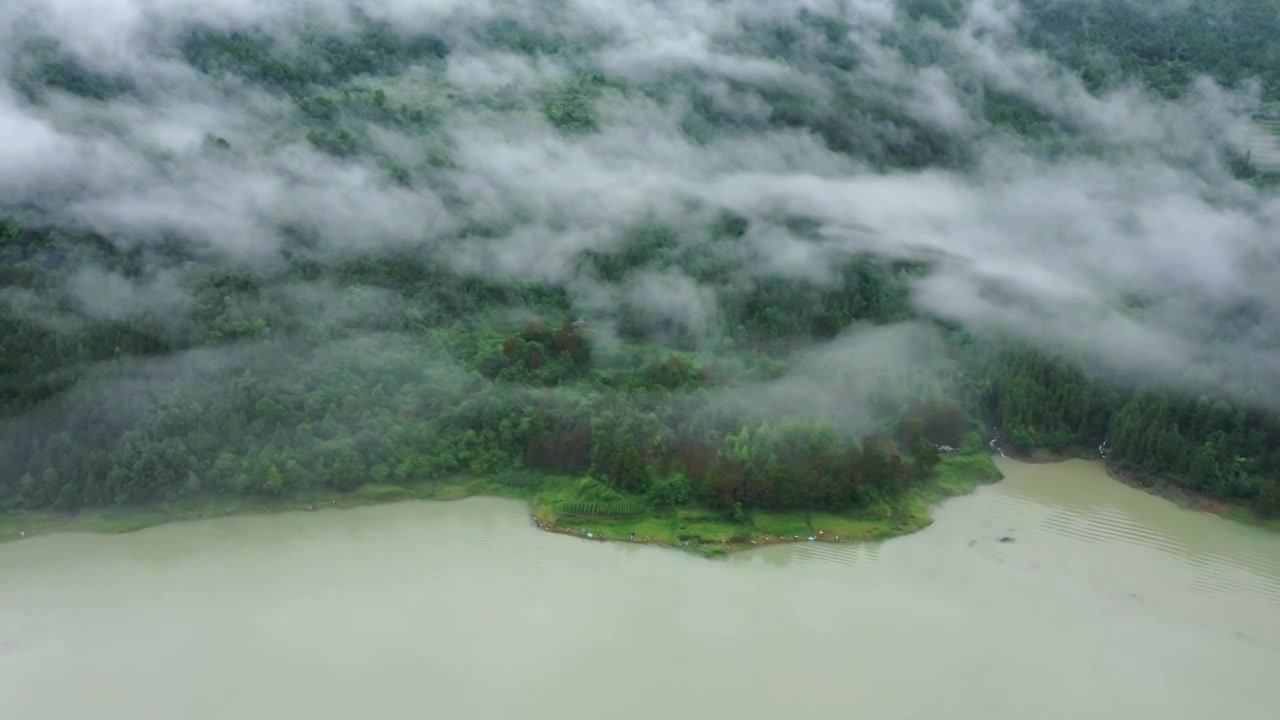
14, 526
712, 533
554, 500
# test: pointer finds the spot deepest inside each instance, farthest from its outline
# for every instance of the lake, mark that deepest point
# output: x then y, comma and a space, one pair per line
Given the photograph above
1107, 603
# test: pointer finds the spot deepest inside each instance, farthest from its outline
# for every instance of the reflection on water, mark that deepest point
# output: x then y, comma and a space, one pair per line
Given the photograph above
1107, 603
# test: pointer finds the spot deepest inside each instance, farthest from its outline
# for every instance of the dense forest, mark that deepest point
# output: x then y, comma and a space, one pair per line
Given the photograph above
386, 257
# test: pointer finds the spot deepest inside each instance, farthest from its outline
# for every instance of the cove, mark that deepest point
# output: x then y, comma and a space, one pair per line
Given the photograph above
1108, 603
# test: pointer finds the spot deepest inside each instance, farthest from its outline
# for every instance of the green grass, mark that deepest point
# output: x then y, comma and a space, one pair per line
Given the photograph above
372, 493
790, 525
960, 474
781, 524
107, 521
712, 533
856, 528
698, 526
130, 519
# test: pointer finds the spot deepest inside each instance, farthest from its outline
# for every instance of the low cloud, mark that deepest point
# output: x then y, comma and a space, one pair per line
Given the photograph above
857, 377
1127, 248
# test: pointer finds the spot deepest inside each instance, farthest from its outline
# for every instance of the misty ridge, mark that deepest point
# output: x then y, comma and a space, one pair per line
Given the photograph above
820, 209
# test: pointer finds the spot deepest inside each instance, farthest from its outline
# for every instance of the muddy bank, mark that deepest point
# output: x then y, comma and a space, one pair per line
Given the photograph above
1188, 498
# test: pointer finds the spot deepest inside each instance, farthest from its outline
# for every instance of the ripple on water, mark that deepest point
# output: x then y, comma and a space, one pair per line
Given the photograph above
519, 546
1004, 509
1266, 568
498, 541
1103, 525
847, 555
1217, 575
1212, 573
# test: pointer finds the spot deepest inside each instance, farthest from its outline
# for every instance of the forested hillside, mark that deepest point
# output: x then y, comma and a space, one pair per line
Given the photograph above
705, 252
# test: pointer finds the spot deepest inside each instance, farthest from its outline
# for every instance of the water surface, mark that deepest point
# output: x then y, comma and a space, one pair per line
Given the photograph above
1109, 603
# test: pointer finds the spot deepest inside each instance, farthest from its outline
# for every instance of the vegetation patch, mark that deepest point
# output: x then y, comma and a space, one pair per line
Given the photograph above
710, 532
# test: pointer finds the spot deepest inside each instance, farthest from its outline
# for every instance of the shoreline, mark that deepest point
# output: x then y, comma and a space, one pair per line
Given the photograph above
709, 534
745, 536
1150, 484
701, 532
1190, 499
706, 549
113, 521
690, 529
